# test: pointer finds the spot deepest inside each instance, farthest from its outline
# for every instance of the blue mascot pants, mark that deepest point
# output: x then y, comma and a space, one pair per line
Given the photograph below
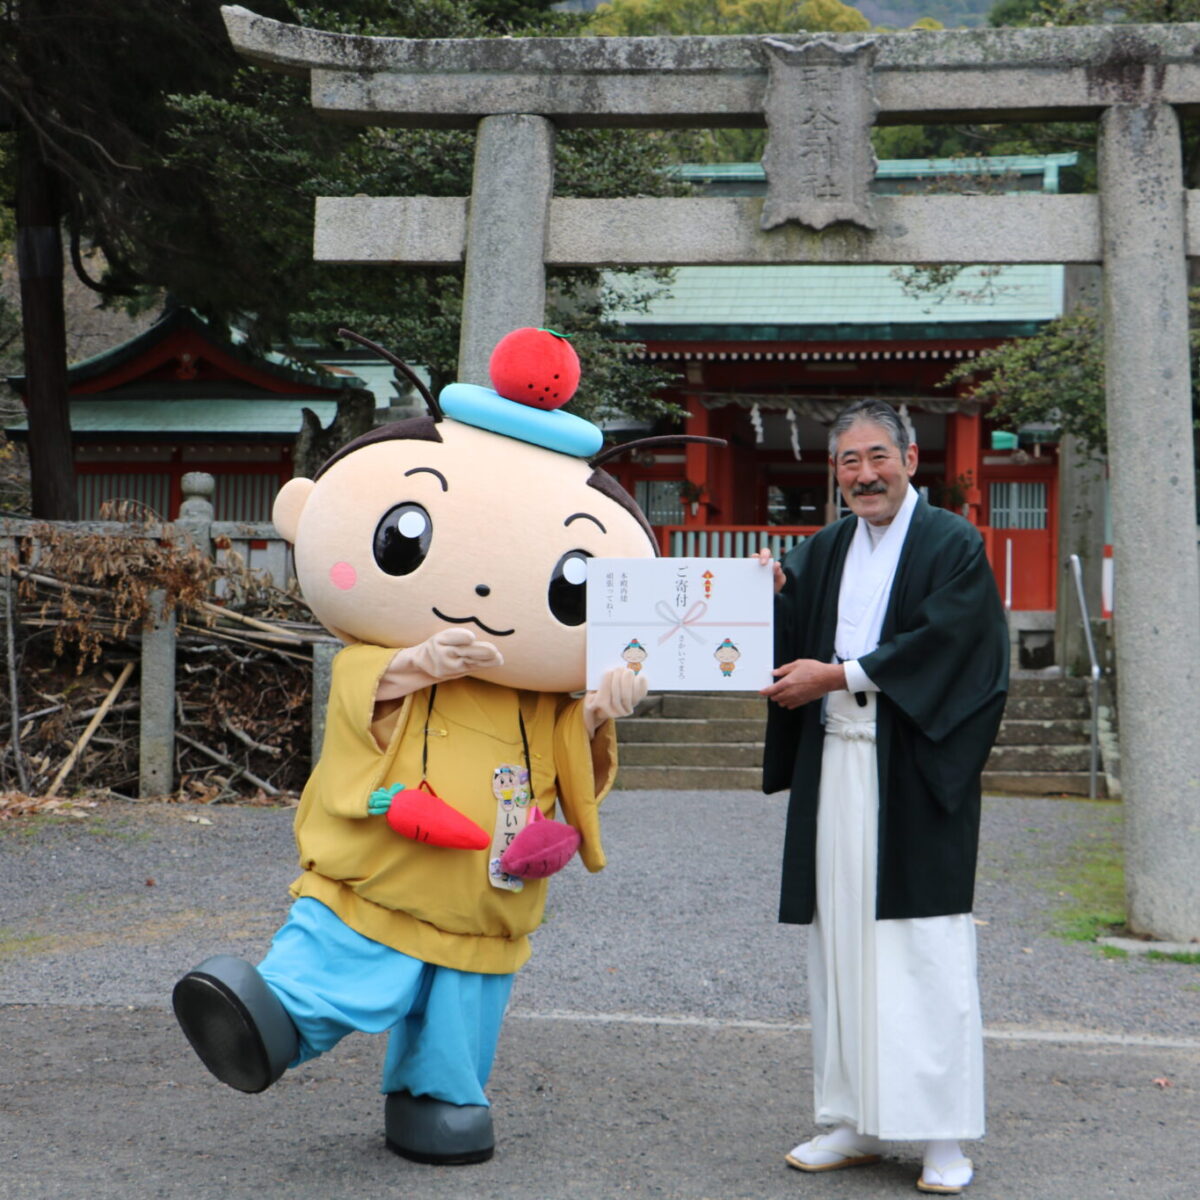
443, 1023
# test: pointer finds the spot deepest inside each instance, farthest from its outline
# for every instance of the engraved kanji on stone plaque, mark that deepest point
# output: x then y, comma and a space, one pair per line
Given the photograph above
820, 106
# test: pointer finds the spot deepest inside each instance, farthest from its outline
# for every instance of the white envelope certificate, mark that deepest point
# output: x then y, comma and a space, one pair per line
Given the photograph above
687, 624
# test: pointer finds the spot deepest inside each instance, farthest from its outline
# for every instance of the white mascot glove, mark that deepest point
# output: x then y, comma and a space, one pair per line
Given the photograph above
619, 693
448, 654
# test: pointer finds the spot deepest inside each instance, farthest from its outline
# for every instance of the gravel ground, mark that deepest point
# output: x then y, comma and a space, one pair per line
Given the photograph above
111, 908
655, 1046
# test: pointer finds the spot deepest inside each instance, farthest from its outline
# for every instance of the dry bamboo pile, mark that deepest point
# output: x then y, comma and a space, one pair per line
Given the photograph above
72, 610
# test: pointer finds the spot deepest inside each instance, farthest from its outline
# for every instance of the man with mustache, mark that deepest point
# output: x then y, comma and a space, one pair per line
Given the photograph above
893, 648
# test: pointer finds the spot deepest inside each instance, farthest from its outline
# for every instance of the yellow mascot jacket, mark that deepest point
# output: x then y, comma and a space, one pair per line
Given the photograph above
432, 902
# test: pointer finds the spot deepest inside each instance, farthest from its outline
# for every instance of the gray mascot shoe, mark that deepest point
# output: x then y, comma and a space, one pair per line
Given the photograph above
426, 1130
235, 1023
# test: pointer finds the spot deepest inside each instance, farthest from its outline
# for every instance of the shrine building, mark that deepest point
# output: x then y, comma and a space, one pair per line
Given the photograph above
765, 356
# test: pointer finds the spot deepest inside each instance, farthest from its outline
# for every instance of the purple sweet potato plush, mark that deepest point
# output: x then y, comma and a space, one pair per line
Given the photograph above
542, 848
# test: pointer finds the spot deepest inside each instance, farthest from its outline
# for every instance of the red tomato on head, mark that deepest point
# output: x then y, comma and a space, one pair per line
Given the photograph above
535, 367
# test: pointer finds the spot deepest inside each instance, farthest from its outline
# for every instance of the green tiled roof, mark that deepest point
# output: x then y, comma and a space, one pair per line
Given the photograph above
1046, 165
857, 296
179, 419
279, 365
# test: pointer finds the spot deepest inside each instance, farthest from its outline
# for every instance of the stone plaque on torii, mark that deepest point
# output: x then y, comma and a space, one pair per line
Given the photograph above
1141, 226
819, 107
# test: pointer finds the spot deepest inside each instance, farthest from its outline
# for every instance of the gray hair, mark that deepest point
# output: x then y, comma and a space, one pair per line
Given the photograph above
877, 412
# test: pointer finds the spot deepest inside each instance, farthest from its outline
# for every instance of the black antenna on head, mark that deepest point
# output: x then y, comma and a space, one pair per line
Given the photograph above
435, 409
667, 439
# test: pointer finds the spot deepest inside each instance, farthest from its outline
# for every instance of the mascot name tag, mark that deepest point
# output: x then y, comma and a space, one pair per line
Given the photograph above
510, 786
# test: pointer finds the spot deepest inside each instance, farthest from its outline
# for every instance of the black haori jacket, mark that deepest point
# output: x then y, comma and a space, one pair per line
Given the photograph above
942, 670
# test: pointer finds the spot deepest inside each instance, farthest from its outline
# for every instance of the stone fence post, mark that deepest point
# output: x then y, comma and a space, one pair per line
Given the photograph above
156, 745
196, 512
156, 752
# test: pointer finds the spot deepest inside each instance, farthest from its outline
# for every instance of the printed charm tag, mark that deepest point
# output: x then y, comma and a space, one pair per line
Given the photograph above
510, 786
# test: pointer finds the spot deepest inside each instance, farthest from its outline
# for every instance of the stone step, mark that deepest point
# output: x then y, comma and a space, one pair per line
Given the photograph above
688, 778
744, 705
1060, 685
1018, 783
708, 740
729, 691
1042, 783
1039, 758
1044, 733
631, 730
1039, 706
1045, 708
690, 754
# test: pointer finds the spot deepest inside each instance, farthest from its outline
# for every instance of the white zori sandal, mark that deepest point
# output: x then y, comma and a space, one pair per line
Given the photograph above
948, 1179
843, 1147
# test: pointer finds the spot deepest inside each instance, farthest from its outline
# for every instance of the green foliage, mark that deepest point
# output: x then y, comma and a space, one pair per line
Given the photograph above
522, 17
263, 156
1081, 136
1177, 956
922, 141
1013, 12
651, 18
8, 184
1092, 878
1115, 12
833, 16
612, 383
660, 18
10, 333
1057, 376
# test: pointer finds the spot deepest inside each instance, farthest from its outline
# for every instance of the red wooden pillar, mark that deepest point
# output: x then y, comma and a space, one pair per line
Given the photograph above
696, 464
963, 459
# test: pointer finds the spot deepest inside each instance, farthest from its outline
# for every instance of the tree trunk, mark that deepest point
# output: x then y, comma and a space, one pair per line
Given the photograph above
40, 266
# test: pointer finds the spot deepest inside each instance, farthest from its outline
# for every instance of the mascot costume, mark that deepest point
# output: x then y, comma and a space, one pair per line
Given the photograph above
448, 553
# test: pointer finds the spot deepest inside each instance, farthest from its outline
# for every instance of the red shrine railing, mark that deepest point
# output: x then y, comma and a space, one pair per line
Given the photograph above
741, 541
729, 541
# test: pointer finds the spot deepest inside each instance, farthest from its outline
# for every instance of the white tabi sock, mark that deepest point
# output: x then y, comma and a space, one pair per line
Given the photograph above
842, 1142
845, 1139
945, 1157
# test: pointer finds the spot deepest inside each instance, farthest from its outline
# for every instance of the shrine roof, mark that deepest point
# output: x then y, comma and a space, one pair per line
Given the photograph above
853, 302
191, 419
181, 346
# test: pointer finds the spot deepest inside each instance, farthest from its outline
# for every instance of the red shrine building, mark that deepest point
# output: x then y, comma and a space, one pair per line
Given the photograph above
180, 398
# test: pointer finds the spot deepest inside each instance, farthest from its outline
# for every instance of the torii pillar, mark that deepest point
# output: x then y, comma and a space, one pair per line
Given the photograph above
1157, 610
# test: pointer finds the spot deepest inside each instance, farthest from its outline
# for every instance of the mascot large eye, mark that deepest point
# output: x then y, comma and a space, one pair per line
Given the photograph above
402, 539
568, 588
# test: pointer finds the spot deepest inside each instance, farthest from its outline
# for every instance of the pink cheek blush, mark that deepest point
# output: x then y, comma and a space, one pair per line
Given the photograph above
343, 575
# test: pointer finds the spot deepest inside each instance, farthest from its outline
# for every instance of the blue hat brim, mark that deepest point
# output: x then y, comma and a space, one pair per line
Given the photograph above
551, 428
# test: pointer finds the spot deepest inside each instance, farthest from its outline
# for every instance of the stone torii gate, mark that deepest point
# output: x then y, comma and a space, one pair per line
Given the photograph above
819, 97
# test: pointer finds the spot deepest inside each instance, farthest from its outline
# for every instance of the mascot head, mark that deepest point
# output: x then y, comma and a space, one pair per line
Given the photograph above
481, 516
